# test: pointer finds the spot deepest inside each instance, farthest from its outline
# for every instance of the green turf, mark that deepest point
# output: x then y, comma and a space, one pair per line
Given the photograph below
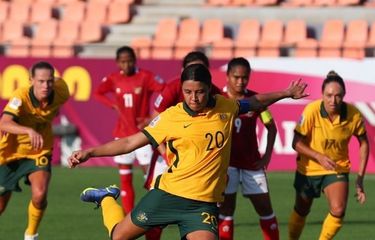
67, 218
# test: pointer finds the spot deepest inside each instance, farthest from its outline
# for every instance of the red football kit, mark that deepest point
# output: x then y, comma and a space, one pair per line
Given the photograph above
244, 137
131, 95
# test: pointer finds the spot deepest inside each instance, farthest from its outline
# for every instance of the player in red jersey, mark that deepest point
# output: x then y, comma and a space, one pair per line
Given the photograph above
247, 167
130, 90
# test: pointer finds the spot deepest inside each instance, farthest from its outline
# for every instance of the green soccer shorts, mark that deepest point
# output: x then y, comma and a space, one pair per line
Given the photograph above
12, 172
159, 208
312, 186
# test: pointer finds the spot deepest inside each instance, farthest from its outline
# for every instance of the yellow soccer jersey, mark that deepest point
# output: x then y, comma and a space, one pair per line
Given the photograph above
329, 138
200, 144
25, 109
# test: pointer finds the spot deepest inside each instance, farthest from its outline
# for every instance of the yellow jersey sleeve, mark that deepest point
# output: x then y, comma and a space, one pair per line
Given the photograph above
359, 127
61, 90
157, 130
14, 106
306, 121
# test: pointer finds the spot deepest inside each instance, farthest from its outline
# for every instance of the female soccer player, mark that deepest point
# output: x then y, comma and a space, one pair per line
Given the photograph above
198, 132
321, 140
128, 91
247, 166
26, 141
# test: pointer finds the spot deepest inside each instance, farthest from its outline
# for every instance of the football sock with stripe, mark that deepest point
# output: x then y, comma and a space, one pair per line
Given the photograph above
269, 226
127, 190
35, 216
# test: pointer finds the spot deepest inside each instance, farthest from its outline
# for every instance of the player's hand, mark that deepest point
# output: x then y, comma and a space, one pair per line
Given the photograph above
36, 139
326, 162
296, 89
360, 192
78, 157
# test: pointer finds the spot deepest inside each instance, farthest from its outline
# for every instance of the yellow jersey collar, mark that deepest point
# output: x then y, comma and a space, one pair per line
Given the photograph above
210, 104
35, 101
343, 111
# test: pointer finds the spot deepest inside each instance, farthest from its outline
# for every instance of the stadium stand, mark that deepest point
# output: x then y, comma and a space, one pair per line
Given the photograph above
332, 38
164, 38
40, 12
247, 38
188, 37
355, 39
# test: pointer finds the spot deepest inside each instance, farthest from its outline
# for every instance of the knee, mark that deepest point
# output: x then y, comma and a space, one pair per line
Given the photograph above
302, 211
338, 211
39, 198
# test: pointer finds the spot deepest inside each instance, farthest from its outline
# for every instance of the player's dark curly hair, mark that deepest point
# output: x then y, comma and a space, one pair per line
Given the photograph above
196, 72
332, 76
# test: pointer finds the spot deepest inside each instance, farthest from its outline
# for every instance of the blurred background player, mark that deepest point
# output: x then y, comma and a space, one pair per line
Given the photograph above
130, 91
26, 141
170, 96
247, 166
322, 142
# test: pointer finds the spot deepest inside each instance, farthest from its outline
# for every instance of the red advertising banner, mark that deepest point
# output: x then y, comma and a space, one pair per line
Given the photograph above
95, 122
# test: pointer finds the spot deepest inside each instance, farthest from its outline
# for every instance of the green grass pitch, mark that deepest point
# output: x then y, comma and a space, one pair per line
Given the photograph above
67, 218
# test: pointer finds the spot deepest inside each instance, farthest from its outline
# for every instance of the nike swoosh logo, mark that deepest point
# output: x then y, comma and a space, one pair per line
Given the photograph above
187, 125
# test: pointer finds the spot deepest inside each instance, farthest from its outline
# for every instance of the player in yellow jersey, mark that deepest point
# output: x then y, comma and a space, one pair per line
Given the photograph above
26, 140
321, 140
197, 133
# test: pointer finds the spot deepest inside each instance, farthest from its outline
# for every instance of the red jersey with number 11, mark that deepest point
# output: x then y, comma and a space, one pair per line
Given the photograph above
131, 94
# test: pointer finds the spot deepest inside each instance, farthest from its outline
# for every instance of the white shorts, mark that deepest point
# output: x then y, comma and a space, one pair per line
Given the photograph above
160, 166
253, 182
143, 155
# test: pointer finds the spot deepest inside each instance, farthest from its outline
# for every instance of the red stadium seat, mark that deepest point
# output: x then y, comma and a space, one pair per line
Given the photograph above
19, 11
142, 46
271, 38
355, 39
118, 12
295, 31
19, 48
90, 31
42, 41
212, 31
96, 11
332, 38
306, 48
187, 38
74, 11
164, 39
12, 30
40, 12
222, 49
247, 38
3, 11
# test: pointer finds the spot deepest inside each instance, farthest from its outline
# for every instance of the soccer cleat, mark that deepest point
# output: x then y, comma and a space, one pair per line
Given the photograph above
96, 195
31, 237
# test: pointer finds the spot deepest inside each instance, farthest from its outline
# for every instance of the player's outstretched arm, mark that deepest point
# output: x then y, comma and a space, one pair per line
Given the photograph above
113, 148
295, 90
